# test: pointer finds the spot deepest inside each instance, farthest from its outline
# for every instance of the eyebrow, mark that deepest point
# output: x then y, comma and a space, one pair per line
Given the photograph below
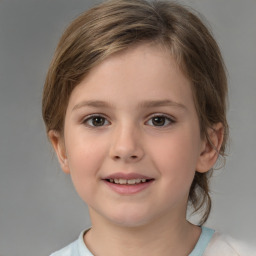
92, 103
160, 103
144, 104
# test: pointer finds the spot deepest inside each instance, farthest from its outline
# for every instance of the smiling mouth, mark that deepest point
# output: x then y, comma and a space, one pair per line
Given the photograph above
128, 182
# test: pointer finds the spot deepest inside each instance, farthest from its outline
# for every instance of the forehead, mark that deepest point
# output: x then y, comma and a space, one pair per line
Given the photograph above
143, 72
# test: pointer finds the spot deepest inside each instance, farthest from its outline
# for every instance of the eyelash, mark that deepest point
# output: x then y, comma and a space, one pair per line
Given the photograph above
90, 118
167, 118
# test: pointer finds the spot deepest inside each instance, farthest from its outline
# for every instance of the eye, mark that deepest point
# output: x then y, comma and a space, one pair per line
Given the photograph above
160, 120
96, 121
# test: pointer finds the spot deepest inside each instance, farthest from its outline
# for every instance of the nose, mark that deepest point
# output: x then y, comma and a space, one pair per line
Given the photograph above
126, 144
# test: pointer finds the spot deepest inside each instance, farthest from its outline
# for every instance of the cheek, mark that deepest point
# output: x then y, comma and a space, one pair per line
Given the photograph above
84, 151
176, 156
85, 156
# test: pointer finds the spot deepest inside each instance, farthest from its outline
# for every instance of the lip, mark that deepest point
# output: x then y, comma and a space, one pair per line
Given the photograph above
127, 189
127, 176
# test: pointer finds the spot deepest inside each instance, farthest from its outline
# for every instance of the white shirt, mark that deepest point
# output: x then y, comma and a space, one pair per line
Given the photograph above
210, 243
221, 245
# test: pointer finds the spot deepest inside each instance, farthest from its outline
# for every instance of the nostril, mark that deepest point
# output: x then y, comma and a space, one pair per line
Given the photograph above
131, 157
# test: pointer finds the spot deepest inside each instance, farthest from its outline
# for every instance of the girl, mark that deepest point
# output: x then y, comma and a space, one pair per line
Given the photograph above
135, 107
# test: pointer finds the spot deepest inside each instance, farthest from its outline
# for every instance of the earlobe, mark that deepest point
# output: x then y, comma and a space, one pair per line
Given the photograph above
210, 148
59, 147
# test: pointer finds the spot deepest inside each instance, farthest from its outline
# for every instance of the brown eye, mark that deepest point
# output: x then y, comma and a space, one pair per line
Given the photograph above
160, 121
96, 121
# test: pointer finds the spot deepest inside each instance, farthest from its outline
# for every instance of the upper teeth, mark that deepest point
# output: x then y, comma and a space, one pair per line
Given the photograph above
130, 182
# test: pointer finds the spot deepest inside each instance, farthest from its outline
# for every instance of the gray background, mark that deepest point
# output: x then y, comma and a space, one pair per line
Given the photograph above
40, 211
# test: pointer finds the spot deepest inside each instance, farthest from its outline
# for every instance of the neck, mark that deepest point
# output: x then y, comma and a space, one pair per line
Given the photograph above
174, 236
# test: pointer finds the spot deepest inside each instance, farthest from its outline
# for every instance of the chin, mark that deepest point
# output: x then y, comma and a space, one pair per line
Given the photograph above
125, 215
130, 219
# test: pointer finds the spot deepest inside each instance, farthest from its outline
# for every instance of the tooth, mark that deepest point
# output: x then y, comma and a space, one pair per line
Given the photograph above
131, 181
122, 181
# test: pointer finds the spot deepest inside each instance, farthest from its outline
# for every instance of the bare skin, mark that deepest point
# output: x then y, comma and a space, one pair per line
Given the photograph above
158, 238
133, 117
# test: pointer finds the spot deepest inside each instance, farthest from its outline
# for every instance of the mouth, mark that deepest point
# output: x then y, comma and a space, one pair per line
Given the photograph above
128, 181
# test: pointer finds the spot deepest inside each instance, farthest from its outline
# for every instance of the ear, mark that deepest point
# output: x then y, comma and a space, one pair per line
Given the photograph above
210, 148
59, 147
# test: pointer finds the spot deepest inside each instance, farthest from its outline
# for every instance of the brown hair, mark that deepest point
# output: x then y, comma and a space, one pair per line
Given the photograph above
116, 25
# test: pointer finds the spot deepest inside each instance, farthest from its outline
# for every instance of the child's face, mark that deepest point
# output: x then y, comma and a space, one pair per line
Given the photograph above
133, 118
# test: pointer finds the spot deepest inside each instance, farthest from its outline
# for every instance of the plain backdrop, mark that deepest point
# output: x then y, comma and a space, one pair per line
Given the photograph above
39, 209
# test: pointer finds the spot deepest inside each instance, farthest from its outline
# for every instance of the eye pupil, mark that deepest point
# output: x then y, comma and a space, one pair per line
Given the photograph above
98, 121
158, 121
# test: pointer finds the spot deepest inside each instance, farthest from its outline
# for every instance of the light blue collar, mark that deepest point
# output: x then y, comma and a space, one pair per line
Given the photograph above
203, 242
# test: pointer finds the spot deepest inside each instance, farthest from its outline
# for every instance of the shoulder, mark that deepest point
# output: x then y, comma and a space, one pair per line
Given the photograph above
77, 248
66, 251
227, 246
